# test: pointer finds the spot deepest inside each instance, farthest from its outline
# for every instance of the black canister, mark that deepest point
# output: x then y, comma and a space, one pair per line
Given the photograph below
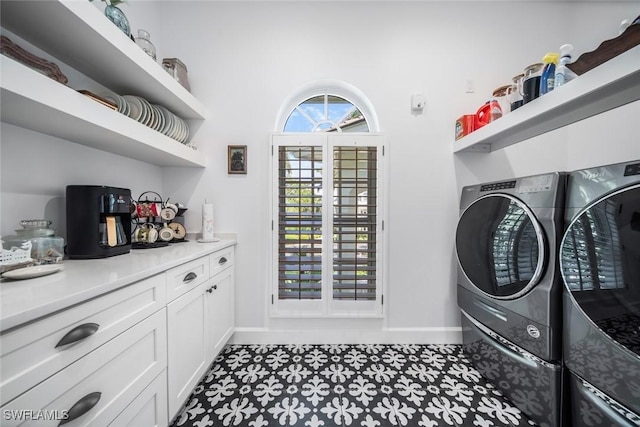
531, 83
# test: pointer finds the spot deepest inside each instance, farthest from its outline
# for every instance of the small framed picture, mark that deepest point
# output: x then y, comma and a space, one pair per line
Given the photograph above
237, 159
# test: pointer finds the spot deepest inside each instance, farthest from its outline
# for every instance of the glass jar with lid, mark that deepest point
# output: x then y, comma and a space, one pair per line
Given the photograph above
46, 247
177, 70
143, 40
515, 96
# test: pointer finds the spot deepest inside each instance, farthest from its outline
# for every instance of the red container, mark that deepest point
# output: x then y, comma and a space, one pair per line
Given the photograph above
465, 125
489, 112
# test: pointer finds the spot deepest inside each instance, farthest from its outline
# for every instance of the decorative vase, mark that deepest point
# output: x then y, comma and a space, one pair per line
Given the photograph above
118, 17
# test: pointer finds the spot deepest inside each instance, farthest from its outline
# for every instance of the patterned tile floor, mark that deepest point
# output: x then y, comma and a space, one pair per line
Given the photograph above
346, 385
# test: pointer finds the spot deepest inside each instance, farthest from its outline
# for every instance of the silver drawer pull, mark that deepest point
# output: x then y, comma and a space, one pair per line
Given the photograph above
78, 333
222, 260
190, 277
82, 406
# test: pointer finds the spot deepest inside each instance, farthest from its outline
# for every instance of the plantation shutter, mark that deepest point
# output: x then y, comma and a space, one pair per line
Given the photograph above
300, 223
327, 224
354, 223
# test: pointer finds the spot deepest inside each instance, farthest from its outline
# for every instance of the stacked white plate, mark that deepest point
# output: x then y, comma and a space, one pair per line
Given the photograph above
154, 116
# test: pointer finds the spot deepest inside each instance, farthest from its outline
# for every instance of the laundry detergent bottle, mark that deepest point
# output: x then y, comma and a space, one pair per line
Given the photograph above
563, 73
547, 79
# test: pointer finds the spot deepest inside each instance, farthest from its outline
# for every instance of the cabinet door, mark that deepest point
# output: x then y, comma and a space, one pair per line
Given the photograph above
221, 309
188, 342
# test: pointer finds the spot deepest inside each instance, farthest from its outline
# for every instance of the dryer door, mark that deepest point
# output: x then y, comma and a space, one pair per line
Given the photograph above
600, 266
501, 246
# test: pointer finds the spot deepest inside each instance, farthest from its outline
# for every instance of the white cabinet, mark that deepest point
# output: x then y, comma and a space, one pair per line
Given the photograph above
129, 356
95, 389
33, 352
189, 331
201, 321
92, 45
221, 310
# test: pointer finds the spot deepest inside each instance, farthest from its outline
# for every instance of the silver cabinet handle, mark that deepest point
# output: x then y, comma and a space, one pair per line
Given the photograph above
82, 406
190, 277
608, 411
78, 333
493, 311
511, 354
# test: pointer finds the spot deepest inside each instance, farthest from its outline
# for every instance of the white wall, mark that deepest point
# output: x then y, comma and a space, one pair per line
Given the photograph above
36, 168
244, 60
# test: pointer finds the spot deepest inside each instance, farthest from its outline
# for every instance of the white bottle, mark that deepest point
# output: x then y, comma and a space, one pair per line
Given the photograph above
563, 73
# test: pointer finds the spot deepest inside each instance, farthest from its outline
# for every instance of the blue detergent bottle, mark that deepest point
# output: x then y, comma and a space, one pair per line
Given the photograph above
547, 79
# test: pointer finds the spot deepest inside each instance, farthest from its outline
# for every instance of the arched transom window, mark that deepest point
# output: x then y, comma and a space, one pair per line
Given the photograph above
326, 113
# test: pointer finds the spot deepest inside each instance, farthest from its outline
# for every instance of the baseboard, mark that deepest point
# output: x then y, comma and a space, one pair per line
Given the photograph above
444, 335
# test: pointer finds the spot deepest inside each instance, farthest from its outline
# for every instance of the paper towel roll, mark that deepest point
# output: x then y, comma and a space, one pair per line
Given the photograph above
207, 221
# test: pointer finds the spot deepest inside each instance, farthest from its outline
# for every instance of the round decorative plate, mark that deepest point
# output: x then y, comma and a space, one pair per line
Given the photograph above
34, 271
135, 107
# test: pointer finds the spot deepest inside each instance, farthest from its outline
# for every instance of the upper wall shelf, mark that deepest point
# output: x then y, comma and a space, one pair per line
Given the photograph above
34, 101
78, 34
610, 85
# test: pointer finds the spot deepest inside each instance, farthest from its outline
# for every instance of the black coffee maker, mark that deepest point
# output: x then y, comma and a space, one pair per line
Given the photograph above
98, 221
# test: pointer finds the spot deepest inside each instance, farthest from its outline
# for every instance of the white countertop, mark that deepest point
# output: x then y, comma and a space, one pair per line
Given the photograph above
22, 301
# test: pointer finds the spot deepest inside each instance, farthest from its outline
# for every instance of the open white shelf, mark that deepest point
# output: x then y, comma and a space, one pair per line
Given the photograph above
34, 101
78, 34
610, 85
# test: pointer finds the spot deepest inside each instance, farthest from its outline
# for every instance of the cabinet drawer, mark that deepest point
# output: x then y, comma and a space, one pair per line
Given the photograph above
34, 352
149, 409
187, 276
113, 376
220, 260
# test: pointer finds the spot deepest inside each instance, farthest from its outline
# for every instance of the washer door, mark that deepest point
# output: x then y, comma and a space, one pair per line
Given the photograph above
600, 265
501, 246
